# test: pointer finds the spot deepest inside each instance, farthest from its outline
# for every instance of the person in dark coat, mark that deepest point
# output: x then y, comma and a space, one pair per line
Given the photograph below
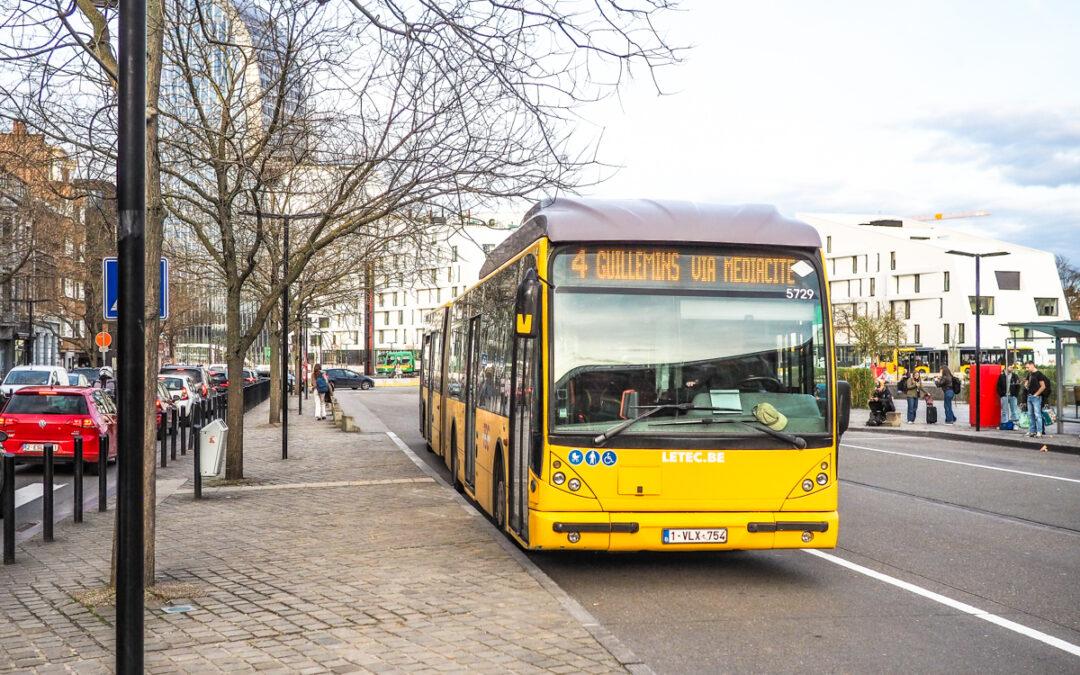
881, 402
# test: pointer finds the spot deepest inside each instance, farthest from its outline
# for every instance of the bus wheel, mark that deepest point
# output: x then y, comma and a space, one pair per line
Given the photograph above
498, 495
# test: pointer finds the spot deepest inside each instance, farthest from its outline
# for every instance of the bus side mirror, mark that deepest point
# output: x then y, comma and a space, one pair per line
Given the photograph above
527, 306
628, 404
843, 406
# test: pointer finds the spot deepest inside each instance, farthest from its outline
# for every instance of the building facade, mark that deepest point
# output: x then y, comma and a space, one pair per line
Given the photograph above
877, 263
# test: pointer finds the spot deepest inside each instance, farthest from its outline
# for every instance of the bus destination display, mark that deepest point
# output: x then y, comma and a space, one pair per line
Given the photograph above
690, 268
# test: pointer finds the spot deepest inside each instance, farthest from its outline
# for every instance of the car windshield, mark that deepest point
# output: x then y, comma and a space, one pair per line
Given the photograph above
27, 377
46, 404
195, 375
173, 383
719, 332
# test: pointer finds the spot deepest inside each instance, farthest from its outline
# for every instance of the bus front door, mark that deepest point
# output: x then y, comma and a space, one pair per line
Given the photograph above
425, 401
522, 424
471, 368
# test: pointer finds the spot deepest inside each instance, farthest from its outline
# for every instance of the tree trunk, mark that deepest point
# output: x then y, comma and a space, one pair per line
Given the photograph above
234, 358
275, 366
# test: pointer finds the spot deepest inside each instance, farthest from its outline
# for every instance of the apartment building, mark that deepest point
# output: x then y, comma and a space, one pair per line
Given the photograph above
880, 263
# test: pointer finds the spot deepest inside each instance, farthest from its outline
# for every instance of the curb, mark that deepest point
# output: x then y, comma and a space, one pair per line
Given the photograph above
401, 382
620, 652
1023, 442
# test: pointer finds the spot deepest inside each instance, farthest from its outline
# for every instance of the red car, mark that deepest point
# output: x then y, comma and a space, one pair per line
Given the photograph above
38, 415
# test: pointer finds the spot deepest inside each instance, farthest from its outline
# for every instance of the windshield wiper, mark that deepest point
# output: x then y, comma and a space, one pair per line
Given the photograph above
653, 409
798, 441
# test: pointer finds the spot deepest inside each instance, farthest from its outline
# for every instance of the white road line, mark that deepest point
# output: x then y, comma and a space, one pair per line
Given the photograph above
32, 492
949, 602
953, 461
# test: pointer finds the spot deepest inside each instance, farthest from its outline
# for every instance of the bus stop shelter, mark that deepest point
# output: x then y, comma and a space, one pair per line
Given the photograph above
1059, 330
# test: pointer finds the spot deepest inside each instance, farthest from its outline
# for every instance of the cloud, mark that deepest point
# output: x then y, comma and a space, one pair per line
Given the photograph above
1029, 148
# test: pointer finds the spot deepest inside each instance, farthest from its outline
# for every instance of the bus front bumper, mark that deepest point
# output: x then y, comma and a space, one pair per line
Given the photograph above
648, 531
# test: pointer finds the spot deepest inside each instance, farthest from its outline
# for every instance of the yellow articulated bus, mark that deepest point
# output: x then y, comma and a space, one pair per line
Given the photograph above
641, 375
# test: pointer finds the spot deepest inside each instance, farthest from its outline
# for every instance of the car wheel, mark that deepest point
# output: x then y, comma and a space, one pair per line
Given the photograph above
365, 385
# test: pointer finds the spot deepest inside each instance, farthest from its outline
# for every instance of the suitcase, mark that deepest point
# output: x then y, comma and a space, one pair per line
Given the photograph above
931, 414
1006, 426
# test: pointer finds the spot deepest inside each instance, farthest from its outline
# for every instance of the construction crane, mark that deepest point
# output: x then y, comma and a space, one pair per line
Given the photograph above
950, 216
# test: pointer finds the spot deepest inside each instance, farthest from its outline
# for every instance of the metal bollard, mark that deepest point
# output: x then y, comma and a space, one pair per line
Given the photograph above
197, 463
78, 487
185, 420
103, 473
175, 417
164, 445
7, 496
47, 494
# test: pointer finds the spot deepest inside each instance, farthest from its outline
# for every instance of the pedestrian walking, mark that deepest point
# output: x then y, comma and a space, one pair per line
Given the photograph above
1008, 386
1037, 387
322, 391
950, 387
910, 386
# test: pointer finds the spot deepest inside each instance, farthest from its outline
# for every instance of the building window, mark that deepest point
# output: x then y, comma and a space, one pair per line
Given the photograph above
940, 308
832, 266
897, 285
945, 335
1046, 306
918, 282
918, 334
986, 304
878, 262
854, 265
892, 260
453, 254
860, 288
960, 333
400, 317
907, 309
382, 299
945, 286
873, 286
1008, 281
828, 244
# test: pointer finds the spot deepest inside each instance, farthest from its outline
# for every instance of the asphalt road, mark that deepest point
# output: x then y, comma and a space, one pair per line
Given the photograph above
965, 558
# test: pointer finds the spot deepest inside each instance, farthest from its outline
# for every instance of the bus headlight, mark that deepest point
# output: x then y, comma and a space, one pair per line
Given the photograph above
574, 485
558, 478
822, 478
808, 485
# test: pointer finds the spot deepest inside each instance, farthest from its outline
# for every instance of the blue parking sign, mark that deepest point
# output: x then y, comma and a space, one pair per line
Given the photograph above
110, 272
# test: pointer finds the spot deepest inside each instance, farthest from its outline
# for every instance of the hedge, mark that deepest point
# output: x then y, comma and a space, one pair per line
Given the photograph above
862, 384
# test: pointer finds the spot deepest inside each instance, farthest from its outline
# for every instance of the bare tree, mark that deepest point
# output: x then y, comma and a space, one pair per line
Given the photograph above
1070, 284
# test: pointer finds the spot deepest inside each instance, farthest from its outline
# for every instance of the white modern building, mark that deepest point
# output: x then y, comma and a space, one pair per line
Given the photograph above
411, 284
879, 263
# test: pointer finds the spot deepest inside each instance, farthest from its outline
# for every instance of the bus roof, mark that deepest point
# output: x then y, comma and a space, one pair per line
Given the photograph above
566, 219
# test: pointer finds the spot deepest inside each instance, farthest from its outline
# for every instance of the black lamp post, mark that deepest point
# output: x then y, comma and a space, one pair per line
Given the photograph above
976, 380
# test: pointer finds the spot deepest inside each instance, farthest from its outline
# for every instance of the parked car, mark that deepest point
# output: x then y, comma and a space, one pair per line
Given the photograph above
219, 381
250, 376
77, 380
343, 378
183, 392
199, 375
36, 415
165, 408
25, 376
92, 375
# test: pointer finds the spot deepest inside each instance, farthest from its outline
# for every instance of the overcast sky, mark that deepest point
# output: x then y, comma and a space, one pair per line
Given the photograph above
904, 108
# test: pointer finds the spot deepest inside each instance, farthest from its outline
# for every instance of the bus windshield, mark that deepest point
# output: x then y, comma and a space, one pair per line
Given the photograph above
711, 334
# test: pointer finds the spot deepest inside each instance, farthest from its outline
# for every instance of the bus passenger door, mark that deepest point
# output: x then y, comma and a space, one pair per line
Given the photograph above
523, 425
425, 375
472, 356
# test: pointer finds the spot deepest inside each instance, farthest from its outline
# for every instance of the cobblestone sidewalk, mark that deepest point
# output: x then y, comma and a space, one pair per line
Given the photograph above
344, 558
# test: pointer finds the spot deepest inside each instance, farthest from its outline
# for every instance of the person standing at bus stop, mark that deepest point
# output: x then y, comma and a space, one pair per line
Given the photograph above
946, 383
322, 389
1037, 388
910, 386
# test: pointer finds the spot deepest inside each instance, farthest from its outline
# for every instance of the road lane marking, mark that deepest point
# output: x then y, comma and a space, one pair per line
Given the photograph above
949, 602
32, 492
954, 461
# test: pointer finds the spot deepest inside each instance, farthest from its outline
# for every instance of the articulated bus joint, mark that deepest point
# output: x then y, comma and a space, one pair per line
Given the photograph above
787, 527
629, 528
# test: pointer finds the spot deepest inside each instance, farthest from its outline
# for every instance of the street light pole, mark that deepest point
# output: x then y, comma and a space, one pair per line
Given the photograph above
285, 218
131, 303
976, 381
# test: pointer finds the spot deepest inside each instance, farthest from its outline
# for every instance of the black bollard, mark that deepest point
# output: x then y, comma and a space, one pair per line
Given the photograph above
184, 421
175, 417
78, 487
103, 473
47, 494
164, 445
7, 496
197, 463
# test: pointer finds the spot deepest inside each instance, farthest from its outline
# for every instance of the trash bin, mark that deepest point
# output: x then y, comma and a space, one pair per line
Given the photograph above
212, 448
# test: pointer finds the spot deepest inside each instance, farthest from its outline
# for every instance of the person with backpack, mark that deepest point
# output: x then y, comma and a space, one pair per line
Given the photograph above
950, 387
1038, 386
322, 391
880, 403
1007, 386
910, 386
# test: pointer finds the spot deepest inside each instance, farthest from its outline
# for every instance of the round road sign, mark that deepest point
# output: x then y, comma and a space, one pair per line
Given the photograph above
103, 340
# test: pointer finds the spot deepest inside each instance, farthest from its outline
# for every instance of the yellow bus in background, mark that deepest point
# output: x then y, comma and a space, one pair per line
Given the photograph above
643, 375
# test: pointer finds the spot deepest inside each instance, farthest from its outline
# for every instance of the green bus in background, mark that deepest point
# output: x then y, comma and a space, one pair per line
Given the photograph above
392, 363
